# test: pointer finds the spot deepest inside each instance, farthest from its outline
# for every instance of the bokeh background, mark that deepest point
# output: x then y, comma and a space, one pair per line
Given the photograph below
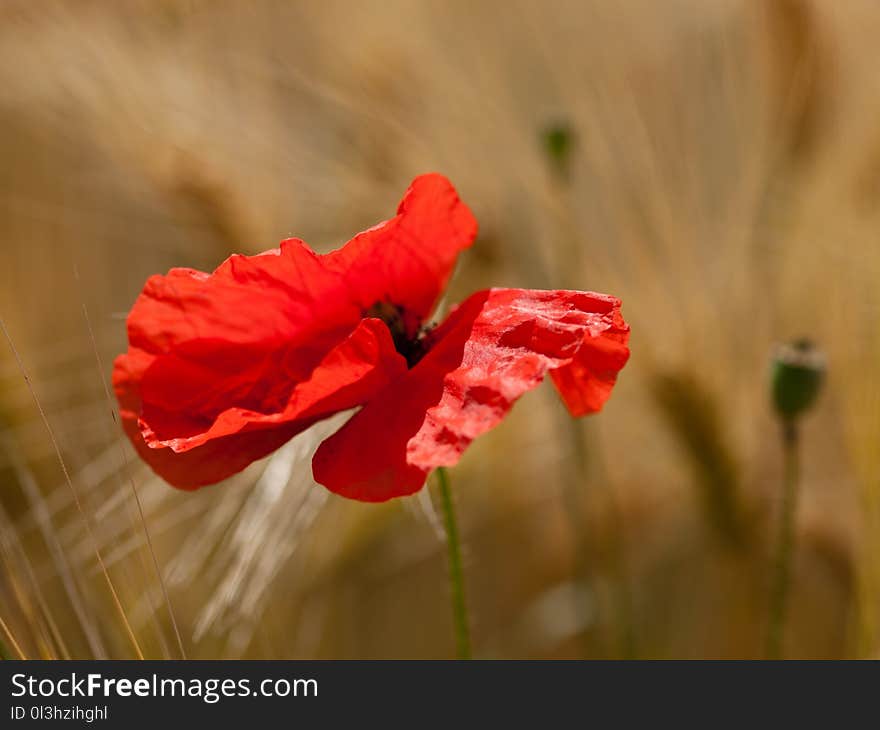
716, 164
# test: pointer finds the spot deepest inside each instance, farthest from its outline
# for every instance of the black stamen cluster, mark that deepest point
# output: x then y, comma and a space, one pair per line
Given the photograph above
412, 346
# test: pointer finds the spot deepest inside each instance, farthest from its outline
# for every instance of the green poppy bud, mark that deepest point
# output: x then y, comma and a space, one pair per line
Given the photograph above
796, 378
558, 140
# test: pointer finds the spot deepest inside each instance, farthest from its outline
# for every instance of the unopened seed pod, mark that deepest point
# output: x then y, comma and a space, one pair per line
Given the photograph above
796, 377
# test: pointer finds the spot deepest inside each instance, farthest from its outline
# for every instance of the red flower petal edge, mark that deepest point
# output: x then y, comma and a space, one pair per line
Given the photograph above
492, 349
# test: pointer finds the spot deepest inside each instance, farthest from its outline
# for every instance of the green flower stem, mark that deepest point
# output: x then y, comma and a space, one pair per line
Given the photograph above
618, 604
785, 541
456, 574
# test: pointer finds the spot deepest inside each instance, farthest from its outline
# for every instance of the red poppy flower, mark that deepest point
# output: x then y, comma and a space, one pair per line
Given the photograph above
224, 368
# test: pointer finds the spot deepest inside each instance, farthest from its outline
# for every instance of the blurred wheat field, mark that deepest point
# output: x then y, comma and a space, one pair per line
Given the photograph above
722, 179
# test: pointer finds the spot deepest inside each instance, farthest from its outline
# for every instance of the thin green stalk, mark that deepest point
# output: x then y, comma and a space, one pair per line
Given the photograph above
607, 545
785, 541
456, 574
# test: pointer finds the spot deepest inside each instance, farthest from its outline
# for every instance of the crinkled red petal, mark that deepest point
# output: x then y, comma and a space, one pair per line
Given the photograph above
492, 349
586, 383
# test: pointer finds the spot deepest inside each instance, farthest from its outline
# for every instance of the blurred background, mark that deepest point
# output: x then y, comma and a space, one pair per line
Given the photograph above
716, 164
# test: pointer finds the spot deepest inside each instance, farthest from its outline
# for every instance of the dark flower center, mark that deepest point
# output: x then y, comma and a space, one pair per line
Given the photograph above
411, 339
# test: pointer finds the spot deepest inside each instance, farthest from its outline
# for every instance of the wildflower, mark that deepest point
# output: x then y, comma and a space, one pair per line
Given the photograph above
224, 368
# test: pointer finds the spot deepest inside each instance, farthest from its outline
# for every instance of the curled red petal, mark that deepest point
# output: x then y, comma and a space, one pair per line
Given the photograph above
193, 469
586, 383
294, 296
188, 452
492, 349
275, 341
407, 261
